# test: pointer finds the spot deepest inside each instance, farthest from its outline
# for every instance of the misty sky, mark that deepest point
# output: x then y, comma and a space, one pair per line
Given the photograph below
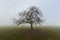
10, 8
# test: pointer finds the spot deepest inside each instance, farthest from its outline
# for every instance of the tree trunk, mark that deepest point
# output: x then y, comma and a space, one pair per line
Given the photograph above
31, 26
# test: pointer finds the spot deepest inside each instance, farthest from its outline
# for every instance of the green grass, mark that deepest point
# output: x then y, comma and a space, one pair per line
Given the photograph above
24, 33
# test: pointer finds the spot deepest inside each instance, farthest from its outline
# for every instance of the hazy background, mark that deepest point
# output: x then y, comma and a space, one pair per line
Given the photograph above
10, 8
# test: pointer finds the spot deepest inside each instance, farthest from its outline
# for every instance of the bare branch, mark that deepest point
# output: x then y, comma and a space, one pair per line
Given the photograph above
33, 15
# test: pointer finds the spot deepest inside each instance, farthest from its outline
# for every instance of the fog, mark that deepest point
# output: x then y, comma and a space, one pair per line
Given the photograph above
50, 8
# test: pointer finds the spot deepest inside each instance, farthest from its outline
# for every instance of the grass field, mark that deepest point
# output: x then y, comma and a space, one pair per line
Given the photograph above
24, 33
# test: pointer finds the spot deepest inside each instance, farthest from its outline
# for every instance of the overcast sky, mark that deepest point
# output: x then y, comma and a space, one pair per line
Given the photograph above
10, 8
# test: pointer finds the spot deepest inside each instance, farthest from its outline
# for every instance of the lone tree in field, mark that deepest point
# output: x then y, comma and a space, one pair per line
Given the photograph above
31, 16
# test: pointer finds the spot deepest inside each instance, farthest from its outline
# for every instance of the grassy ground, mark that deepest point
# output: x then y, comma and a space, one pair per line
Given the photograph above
24, 33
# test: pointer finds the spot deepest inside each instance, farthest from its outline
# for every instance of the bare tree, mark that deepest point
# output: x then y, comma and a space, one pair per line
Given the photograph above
31, 16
